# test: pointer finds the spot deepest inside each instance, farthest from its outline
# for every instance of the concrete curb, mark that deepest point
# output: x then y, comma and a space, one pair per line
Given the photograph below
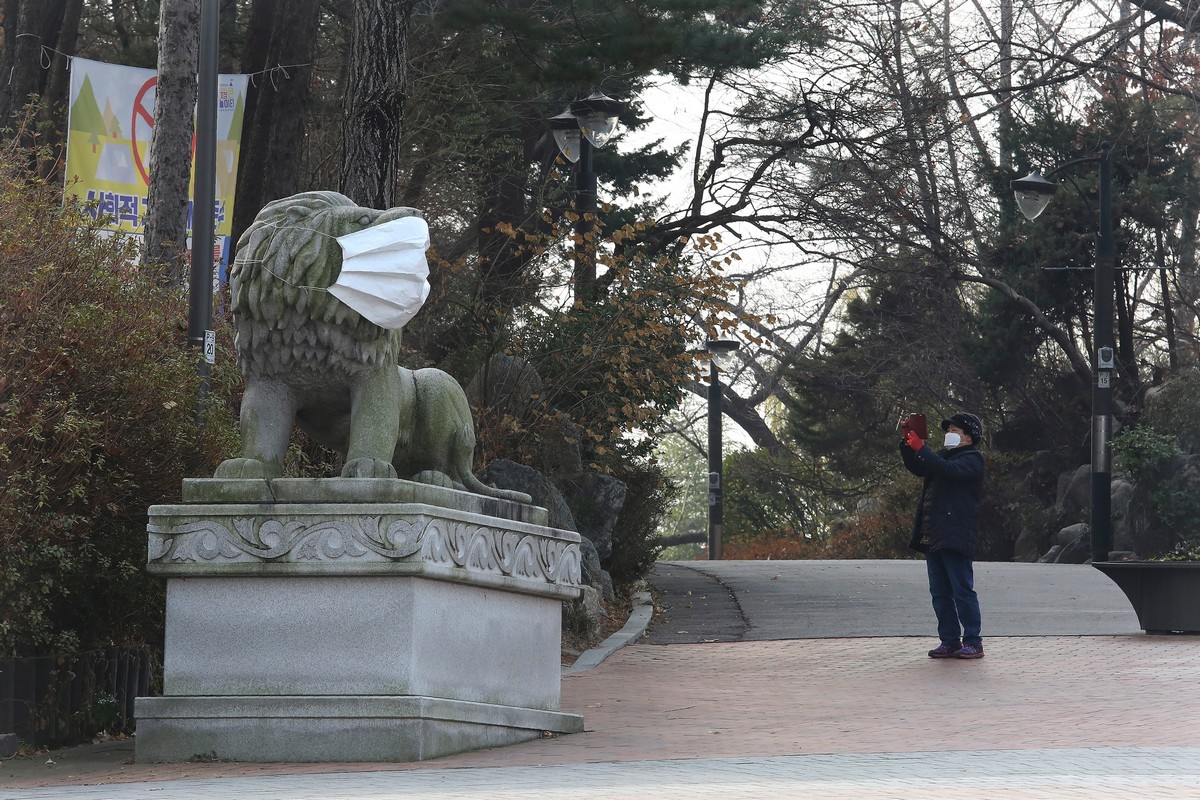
635, 626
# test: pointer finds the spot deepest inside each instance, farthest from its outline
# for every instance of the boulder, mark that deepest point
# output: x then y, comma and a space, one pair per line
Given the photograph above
1072, 533
1030, 544
593, 574
506, 384
1051, 556
1075, 492
1077, 552
505, 474
1042, 480
595, 501
510, 386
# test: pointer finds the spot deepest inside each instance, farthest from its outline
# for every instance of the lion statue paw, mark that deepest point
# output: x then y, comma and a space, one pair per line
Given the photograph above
368, 468
248, 468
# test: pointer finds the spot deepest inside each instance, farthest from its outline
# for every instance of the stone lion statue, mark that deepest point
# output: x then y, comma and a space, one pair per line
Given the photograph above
310, 360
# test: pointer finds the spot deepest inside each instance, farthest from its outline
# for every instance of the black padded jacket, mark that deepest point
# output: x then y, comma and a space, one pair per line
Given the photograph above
948, 512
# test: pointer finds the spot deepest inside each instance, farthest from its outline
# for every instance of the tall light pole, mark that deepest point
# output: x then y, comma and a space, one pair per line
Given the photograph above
589, 123
200, 285
720, 355
1033, 193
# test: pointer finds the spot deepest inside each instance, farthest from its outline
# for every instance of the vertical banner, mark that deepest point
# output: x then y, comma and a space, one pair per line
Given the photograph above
110, 133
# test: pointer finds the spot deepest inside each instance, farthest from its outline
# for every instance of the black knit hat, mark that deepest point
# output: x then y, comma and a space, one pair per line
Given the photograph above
970, 424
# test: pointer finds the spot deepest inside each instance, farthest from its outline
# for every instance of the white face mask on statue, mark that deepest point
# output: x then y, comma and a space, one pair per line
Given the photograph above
952, 440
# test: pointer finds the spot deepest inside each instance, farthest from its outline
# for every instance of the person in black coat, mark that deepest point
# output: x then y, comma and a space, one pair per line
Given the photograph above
947, 529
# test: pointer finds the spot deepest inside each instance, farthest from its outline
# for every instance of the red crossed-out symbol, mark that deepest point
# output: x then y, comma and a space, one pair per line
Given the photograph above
144, 113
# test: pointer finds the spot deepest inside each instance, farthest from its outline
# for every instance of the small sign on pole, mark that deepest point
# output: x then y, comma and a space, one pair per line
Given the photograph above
210, 346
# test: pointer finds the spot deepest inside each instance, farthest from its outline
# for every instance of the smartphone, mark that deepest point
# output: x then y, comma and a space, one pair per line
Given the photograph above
915, 423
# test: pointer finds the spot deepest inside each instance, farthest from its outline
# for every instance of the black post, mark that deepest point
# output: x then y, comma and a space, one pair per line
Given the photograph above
204, 197
585, 206
1105, 363
716, 511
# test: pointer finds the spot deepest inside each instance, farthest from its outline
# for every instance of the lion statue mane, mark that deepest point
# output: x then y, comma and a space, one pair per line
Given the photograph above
310, 360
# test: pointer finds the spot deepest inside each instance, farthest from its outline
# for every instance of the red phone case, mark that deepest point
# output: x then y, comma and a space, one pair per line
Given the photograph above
915, 423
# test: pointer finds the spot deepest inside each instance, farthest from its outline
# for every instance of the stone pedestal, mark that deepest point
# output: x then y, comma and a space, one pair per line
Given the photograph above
354, 620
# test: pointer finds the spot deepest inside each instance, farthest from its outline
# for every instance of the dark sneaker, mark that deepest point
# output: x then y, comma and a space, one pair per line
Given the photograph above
944, 651
970, 651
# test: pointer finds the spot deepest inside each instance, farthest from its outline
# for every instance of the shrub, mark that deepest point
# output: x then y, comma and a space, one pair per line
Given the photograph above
1174, 409
1140, 452
97, 404
635, 540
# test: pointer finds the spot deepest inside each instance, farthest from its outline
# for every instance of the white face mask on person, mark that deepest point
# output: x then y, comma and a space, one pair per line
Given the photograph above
952, 440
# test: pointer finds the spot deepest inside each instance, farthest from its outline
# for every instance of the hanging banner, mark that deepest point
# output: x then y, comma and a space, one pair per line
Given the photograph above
111, 132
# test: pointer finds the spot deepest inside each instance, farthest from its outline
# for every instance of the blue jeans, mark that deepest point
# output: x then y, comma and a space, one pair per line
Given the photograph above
952, 585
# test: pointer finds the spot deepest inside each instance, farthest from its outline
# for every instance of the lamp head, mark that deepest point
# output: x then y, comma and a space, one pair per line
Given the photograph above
597, 117
1033, 194
722, 350
565, 128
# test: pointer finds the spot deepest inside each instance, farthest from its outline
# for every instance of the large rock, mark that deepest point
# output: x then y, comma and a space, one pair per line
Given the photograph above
1075, 492
1051, 556
1072, 533
595, 501
507, 384
1031, 543
1042, 480
593, 574
510, 386
1077, 552
505, 474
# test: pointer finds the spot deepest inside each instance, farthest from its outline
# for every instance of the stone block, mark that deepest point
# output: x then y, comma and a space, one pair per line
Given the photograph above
383, 620
331, 729
360, 635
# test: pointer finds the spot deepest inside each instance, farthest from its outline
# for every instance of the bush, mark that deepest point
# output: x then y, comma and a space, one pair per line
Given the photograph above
1140, 452
1174, 410
97, 399
635, 540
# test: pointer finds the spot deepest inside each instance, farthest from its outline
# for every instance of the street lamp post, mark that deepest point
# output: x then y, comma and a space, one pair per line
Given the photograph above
588, 124
720, 355
1033, 193
200, 285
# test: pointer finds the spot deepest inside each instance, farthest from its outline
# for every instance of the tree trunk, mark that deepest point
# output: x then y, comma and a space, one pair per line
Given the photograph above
273, 131
37, 23
375, 101
229, 35
58, 83
174, 126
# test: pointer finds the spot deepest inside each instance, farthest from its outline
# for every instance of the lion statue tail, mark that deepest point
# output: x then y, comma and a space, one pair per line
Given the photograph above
465, 451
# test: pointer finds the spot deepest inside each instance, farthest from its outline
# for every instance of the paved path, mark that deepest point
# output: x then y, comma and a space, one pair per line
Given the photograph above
729, 601
1160, 773
1046, 716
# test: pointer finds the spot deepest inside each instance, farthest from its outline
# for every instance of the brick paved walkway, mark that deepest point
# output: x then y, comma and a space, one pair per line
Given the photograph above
1039, 717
